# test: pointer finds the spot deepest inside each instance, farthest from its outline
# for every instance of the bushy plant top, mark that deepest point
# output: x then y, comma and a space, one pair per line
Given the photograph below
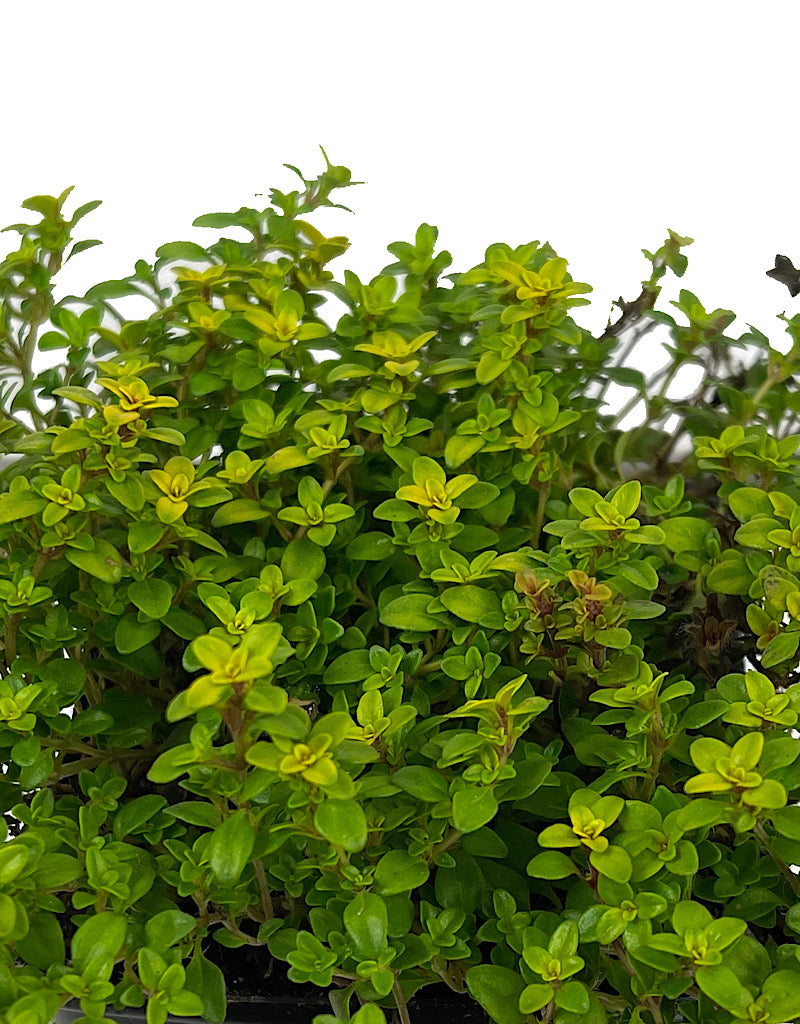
383, 647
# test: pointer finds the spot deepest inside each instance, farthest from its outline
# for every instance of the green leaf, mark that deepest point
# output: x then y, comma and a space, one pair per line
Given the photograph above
535, 997
698, 813
190, 251
749, 961
152, 596
700, 714
52, 340
302, 559
135, 813
782, 991
627, 497
461, 886
643, 609
637, 939
558, 835
564, 940
551, 864
395, 511
217, 220
82, 211
484, 843
112, 290
640, 573
474, 604
144, 535
690, 916
172, 763
54, 870
167, 927
230, 848
184, 625
87, 243
787, 821
645, 535
758, 533
129, 493
421, 782
595, 1014
498, 990
749, 502
479, 495
241, 510
473, 808
195, 812
350, 667
207, 980
460, 449
686, 533
397, 871
613, 862
131, 635
490, 366
371, 547
584, 499
369, 1013
610, 926
343, 823
573, 997
99, 938
685, 861
616, 638
779, 752
78, 395
730, 575
43, 945
182, 1003
103, 561
780, 648
15, 505
409, 612
366, 921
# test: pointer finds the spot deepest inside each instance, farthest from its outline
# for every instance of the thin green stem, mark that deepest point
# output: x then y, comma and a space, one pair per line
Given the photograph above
780, 863
74, 767
12, 626
445, 844
631, 404
772, 378
400, 1003
621, 360
544, 494
263, 888
651, 1003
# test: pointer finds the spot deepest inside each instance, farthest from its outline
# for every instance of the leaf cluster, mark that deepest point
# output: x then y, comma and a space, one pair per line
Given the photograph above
382, 646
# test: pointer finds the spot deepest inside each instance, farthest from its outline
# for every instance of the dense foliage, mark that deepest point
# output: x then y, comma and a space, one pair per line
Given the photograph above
383, 647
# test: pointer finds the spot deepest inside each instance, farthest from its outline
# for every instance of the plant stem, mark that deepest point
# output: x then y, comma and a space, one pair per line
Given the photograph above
638, 333
451, 840
74, 767
780, 863
668, 372
651, 1003
402, 1007
249, 939
266, 899
657, 749
12, 625
773, 376
544, 494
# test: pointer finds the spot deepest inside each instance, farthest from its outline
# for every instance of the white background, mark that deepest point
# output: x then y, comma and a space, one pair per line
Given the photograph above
592, 125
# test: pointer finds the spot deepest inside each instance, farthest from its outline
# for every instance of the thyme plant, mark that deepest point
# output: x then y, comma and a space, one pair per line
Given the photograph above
385, 647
